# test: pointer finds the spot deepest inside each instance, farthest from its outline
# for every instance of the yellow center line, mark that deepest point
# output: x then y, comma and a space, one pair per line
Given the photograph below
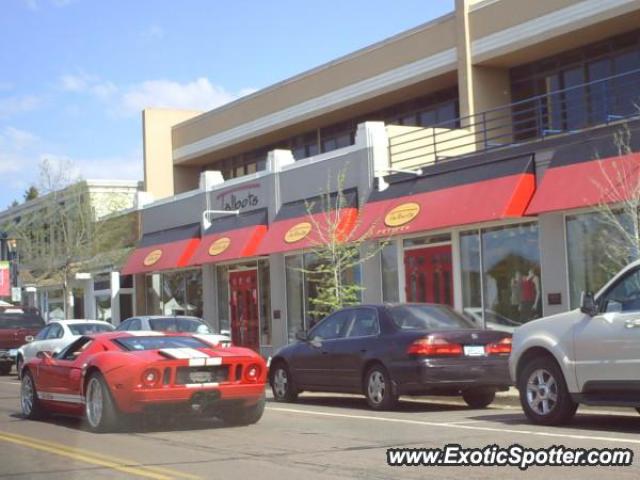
114, 463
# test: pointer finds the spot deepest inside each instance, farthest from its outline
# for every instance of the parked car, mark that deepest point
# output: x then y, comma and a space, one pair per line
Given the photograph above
166, 323
57, 335
16, 326
383, 351
492, 320
590, 355
104, 377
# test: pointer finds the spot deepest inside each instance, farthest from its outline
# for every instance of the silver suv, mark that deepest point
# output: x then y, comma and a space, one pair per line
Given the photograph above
590, 355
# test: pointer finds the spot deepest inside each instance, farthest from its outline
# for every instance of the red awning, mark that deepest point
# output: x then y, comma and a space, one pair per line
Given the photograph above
232, 238
163, 250
587, 183
308, 231
447, 198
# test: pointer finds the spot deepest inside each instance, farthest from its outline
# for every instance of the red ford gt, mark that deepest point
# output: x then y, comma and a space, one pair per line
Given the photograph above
105, 376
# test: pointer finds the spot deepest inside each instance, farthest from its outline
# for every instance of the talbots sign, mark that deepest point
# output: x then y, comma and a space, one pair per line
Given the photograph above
402, 214
297, 232
152, 258
218, 246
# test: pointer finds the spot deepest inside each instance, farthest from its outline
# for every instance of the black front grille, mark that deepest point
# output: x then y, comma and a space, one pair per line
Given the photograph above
217, 374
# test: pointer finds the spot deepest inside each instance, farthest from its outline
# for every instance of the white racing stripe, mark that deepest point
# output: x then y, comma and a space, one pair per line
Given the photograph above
202, 385
143, 333
459, 426
201, 362
184, 353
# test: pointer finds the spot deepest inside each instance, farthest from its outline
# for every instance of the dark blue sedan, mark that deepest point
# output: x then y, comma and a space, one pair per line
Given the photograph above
384, 351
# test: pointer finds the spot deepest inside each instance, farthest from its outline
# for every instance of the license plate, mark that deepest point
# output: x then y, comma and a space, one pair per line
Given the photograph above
200, 377
474, 350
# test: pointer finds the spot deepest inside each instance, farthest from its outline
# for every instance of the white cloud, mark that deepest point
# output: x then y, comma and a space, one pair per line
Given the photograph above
85, 83
14, 105
17, 139
153, 32
34, 5
199, 94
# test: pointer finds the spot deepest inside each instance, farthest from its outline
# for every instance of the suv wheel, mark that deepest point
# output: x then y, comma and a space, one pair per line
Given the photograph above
544, 396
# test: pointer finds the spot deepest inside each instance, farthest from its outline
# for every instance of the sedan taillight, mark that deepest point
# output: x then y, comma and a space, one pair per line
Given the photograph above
502, 347
434, 347
151, 377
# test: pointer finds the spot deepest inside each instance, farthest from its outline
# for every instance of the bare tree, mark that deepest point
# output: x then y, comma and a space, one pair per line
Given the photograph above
619, 205
62, 233
339, 248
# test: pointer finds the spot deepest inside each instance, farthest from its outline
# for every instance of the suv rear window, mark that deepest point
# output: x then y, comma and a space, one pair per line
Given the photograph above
20, 320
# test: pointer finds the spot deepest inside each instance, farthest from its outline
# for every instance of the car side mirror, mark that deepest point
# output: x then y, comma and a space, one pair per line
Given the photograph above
302, 336
588, 304
29, 338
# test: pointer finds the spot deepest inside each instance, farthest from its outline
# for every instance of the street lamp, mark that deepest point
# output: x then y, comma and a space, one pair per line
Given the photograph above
206, 221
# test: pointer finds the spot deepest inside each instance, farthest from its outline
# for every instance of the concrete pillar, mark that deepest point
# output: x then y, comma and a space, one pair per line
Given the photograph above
89, 299
553, 262
115, 298
210, 297
277, 278
372, 276
465, 71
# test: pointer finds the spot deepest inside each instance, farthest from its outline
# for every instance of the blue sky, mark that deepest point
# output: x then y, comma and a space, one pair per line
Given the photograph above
76, 73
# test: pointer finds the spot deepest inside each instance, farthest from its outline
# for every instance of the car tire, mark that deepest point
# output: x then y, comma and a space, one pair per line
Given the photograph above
283, 386
238, 416
100, 411
378, 389
478, 398
544, 395
29, 401
5, 369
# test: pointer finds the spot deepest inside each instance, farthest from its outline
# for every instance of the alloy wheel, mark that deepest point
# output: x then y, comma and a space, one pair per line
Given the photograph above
376, 387
94, 402
542, 392
280, 382
26, 395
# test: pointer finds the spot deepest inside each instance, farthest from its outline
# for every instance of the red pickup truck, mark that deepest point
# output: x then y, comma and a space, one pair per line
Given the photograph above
16, 325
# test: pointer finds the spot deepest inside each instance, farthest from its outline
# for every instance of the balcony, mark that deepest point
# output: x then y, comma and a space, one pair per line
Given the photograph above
561, 112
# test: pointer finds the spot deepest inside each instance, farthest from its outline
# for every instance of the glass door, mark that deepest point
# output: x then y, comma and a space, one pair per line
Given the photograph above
243, 305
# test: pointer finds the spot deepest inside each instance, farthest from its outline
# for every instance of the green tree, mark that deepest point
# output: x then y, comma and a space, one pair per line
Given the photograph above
31, 193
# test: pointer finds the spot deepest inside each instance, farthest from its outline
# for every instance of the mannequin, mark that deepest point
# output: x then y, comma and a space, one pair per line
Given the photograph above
530, 296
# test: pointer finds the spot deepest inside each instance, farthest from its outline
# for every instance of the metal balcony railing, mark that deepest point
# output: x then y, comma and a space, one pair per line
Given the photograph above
599, 102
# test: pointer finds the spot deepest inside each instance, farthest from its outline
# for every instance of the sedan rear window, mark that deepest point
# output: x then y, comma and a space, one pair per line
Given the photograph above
158, 342
427, 317
89, 328
20, 320
177, 324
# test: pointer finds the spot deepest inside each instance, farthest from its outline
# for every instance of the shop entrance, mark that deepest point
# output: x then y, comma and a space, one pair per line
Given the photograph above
243, 303
428, 275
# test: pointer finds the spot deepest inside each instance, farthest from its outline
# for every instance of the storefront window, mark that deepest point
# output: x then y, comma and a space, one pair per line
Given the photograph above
471, 273
511, 272
509, 290
193, 287
389, 265
222, 284
152, 294
595, 251
103, 308
265, 302
295, 295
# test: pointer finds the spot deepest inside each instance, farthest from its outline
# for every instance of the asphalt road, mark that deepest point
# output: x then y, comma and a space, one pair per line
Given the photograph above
320, 437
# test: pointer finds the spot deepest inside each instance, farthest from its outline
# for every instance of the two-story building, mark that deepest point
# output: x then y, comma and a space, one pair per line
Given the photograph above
477, 147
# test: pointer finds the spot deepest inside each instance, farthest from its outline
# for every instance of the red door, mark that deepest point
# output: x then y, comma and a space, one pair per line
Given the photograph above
428, 275
245, 324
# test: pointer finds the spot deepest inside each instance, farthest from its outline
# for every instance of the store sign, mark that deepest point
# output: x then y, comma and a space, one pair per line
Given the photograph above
152, 258
402, 214
297, 232
243, 197
219, 246
16, 294
5, 279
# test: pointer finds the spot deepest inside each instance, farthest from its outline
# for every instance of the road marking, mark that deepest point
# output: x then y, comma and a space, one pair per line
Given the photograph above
122, 465
11, 383
457, 426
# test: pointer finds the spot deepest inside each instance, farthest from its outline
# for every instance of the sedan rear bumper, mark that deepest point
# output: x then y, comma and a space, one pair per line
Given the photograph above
450, 376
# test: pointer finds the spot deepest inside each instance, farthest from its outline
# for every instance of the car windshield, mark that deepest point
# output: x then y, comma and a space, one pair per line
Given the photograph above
89, 328
427, 317
20, 320
178, 324
158, 342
